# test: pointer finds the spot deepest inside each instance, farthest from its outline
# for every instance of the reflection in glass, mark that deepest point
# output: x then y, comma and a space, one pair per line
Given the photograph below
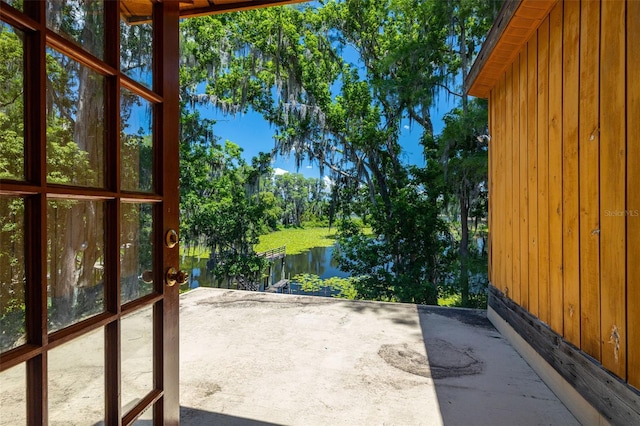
75, 261
136, 142
79, 21
15, 3
12, 275
136, 42
13, 396
75, 123
137, 357
136, 251
76, 381
11, 103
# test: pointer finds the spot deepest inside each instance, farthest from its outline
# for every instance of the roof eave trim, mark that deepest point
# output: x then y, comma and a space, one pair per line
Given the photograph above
507, 11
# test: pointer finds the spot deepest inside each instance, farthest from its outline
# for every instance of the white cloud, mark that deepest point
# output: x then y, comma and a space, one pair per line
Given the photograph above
328, 183
309, 167
278, 171
406, 127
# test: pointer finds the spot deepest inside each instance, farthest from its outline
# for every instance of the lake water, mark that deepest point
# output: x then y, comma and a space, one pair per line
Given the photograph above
317, 261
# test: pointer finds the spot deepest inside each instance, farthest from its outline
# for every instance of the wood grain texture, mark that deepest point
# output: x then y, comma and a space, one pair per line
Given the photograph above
570, 224
613, 185
508, 171
589, 180
633, 193
615, 400
532, 169
490, 178
514, 25
496, 147
504, 183
516, 294
544, 301
556, 281
524, 183
166, 312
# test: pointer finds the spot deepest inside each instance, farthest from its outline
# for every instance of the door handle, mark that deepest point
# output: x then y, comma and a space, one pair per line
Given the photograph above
174, 276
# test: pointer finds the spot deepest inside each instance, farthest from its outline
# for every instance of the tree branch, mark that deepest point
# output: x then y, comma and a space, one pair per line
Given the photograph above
451, 92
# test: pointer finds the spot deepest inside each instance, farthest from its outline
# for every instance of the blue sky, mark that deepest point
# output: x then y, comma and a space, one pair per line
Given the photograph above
251, 132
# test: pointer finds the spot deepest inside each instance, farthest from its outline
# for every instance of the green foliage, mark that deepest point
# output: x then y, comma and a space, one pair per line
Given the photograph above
239, 266
11, 104
462, 152
12, 271
299, 199
286, 64
65, 160
346, 287
297, 240
221, 205
404, 260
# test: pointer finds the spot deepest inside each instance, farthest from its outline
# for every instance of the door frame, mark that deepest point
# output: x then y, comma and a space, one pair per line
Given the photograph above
35, 191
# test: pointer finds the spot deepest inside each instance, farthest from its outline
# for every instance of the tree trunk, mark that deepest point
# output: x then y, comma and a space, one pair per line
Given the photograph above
464, 249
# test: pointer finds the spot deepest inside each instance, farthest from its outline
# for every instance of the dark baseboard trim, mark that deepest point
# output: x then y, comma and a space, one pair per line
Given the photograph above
615, 400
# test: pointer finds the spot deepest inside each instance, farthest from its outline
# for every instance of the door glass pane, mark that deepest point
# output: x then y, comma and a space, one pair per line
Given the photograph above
12, 275
11, 103
15, 3
79, 21
13, 394
136, 142
75, 122
137, 357
75, 261
136, 255
136, 47
76, 381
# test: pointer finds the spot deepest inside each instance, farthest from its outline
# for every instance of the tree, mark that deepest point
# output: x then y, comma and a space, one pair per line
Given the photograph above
220, 203
462, 150
12, 249
285, 63
11, 104
301, 199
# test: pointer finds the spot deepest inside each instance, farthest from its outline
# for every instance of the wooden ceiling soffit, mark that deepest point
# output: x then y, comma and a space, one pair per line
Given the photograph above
139, 11
516, 22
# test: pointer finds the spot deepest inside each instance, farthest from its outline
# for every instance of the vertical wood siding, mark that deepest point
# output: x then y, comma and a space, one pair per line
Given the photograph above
570, 241
613, 184
565, 179
532, 169
524, 182
543, 172
633, 193
556, 275
508, 188
589, 144
515, 147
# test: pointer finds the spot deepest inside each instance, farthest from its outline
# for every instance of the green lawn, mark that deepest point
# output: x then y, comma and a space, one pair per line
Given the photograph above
297, 240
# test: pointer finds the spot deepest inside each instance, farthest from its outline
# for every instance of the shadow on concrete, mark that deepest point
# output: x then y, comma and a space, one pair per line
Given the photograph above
478, 377
352, 362
195, 417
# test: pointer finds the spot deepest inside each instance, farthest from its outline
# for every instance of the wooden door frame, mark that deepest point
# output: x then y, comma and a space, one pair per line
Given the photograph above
35, 190
169, 84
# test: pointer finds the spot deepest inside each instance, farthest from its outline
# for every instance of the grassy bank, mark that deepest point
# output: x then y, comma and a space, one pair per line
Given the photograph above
297, 240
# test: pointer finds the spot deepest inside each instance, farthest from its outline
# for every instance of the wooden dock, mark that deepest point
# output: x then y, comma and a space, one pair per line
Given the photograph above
276, 253
278, 287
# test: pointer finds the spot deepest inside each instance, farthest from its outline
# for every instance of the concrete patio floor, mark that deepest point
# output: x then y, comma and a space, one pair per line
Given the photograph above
258, 359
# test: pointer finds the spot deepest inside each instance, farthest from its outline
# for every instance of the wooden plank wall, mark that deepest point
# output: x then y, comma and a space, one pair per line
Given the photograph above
565, 179
633, 193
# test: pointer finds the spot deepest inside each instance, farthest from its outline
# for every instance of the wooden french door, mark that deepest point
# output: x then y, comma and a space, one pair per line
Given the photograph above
88, 201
